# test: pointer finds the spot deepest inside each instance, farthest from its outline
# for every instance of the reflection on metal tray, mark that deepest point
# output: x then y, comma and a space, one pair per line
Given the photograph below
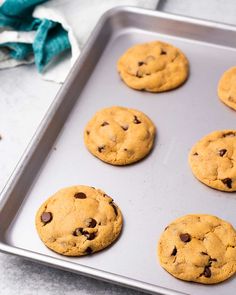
150, 193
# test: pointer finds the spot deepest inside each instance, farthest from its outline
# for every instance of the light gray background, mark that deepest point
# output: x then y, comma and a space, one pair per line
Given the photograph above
24, 99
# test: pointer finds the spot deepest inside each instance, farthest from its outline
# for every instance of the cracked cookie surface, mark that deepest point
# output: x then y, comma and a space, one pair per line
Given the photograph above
119, 136
213, 160
78, 220
227, 88
154, 67
199, 248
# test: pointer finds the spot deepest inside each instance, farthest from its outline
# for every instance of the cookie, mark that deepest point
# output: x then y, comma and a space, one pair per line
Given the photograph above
212, 160
199, 248
78, 220
227, 88
119, 136
153, 67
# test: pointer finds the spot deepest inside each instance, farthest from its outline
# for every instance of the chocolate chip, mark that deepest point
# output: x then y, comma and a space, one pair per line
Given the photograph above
195, 154
125, 150
104, 124
101, 148
185, 237
227, 182
78, 232
136, 120
229, 134
114, 207
140, 63
163, 52
212, 259
207, 272
80, 195
89, 236
125, 128
174, 252
46, 217
90, 222
204, 253
166, 228
139, 74
88, 132
222, 152
89, 250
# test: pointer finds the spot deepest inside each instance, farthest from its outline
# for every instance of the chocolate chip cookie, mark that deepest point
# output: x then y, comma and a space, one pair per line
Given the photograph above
119, 136
154, 67
78, 220
199, 248
227, 88
212, 160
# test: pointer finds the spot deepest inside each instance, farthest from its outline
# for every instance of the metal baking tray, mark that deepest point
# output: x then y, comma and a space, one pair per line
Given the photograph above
150, 193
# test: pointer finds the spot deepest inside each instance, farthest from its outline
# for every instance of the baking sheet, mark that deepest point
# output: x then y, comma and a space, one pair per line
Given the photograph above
150, 193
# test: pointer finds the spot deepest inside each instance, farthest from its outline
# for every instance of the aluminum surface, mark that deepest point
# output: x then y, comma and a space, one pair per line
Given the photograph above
150, 193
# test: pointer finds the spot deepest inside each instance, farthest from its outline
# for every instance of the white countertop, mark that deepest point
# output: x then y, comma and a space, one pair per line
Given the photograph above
24, 100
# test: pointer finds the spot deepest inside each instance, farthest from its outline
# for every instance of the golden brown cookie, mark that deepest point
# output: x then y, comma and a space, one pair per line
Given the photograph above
154, 67
227, 88
78, 220
199, 248
119, 136
212, 160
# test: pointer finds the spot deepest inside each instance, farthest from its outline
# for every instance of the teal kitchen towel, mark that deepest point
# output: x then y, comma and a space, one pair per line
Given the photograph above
50, 40
44, 28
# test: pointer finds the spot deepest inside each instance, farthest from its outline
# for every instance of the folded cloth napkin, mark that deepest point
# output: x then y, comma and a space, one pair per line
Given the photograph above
50, 33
